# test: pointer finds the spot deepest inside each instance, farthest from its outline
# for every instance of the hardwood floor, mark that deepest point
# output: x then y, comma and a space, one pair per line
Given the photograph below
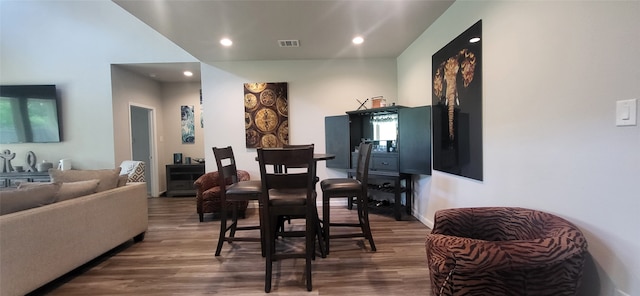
177, 258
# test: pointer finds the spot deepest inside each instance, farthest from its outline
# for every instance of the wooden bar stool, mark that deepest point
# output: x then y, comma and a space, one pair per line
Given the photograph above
235, 192
349, 188
288, 193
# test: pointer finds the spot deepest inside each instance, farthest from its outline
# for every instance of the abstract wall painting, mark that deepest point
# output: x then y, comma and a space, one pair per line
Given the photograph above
457, 105
188, 124
266, 114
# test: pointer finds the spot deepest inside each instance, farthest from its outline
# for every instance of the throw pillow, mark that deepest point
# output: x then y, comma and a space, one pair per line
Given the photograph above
68, 190
134, 169
76, 189
25, 185
108, 177
122, 180
27, 198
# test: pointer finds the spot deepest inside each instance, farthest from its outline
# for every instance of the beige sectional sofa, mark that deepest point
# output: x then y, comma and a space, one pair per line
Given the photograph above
40, 244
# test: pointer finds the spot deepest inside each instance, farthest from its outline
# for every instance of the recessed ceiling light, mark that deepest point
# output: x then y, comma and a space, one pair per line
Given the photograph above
226, 41
188, 73
474, 39
357, 40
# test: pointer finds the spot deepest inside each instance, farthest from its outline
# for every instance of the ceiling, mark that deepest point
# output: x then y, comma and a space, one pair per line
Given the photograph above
165, 72
324, 28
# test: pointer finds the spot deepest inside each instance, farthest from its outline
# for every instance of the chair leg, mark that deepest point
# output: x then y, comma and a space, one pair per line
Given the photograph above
363, 217
280, 224
234, 221
326, 221
310, 250
263, 234
223, 228
271, 228
267, 276
201, 215
320, 235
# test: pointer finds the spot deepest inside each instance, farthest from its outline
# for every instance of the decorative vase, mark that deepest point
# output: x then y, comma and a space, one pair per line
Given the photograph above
44, 166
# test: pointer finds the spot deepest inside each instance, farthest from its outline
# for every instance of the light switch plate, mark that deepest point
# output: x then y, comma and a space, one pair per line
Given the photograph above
620, 293
626, 112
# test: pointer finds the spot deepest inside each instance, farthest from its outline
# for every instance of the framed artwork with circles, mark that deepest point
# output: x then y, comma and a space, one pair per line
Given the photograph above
266, 114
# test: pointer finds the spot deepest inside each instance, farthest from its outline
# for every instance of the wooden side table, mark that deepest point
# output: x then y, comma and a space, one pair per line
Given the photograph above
180, 178
11, 180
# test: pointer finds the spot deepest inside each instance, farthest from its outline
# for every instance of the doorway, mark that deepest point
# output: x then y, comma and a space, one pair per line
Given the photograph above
143, 144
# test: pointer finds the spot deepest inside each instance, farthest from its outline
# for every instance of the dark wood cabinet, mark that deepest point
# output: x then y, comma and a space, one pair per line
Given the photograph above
393, 162
380, 161
414, 140
337, 139
180, 178
384, 161
412, 150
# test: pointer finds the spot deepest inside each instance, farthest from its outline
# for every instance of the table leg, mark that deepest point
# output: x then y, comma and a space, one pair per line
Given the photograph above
408, 193
398, 199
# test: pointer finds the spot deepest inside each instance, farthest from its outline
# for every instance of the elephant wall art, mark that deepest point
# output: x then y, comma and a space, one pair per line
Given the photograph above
457, 105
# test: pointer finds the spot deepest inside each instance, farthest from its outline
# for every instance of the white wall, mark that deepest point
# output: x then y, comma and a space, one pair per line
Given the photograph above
552, 74
165, 100
72, 44
175, 95
131, 89
316, 89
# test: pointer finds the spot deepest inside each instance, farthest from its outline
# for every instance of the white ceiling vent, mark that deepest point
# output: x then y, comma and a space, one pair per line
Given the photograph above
289, 43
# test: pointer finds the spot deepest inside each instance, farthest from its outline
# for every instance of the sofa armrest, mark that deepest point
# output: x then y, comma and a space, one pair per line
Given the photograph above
243, 176
455, 222
210, 180
473, 256
206, 181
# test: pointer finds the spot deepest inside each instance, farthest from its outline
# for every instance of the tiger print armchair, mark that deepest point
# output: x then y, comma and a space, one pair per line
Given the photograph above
208, 194
504, 251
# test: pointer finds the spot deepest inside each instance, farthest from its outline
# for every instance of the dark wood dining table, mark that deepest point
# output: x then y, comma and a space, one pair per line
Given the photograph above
316, 157
319, 156
323, 156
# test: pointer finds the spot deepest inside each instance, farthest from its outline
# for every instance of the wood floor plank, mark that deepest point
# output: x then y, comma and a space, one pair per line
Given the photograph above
177, 258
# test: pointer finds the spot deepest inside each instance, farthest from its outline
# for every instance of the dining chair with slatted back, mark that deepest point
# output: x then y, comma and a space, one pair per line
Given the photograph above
290, 193
349, 188
298, 146
316, 180
235, 192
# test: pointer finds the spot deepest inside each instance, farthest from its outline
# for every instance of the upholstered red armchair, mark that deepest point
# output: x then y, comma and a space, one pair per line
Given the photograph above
504, 251
208, 194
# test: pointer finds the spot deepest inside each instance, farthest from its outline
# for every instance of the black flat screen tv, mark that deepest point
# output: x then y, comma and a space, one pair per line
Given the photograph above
29, 114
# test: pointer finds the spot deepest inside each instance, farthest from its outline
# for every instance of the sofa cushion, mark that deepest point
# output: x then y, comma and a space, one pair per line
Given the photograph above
122, 180
108, 177
69, 190
27, 198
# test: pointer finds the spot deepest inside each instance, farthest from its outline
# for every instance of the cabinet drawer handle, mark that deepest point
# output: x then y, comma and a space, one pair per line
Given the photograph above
385, 163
